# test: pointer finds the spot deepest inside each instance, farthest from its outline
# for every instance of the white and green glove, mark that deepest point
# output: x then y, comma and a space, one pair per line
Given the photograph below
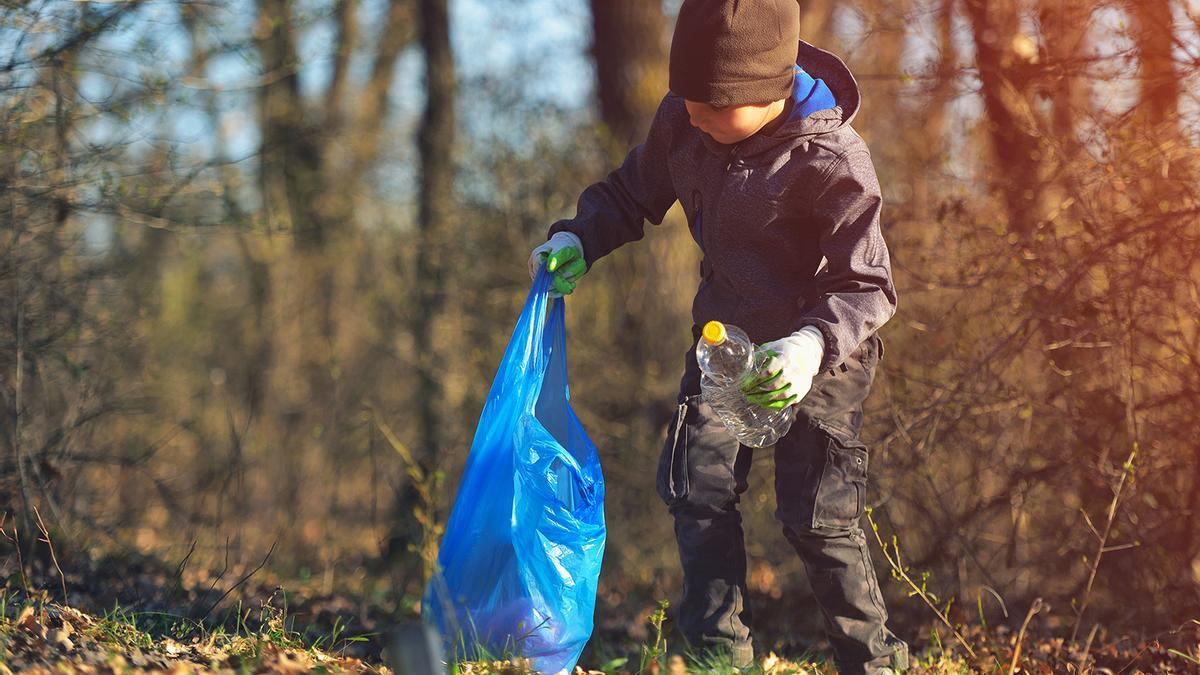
563, 255
788, 375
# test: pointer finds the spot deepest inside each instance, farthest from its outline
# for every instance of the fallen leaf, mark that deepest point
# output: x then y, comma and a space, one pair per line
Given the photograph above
59, 637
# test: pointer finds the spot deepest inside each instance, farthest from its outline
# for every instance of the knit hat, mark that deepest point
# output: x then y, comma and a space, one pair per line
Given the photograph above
735, 52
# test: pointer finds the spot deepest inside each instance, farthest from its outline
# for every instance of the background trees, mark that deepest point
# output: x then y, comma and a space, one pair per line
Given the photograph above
245, 242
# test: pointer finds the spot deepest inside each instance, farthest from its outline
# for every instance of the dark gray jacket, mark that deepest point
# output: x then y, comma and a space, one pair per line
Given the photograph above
788, 222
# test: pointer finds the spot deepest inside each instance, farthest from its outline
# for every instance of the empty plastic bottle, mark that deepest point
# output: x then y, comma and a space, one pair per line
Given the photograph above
726, 356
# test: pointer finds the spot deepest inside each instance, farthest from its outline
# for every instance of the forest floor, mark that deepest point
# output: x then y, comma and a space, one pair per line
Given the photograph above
132, 615
46, 637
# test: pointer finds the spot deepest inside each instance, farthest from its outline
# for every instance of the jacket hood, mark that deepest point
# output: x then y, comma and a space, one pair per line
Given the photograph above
821, 65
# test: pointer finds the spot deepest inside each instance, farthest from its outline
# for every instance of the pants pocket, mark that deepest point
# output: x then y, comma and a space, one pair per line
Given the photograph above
872, 352
841, 492
672, 481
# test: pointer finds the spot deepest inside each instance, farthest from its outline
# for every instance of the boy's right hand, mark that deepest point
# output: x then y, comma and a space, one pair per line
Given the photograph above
791, 365
563, 255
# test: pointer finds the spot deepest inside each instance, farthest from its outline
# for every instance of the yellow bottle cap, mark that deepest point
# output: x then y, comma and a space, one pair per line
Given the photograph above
714, 332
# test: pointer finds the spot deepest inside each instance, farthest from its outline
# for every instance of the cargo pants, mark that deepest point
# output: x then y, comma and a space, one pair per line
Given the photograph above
820, 491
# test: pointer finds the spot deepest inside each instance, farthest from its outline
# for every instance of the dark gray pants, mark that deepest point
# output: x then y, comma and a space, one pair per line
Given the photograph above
820, 491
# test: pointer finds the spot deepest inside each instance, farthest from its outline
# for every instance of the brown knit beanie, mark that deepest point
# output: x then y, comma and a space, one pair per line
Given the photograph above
735, 52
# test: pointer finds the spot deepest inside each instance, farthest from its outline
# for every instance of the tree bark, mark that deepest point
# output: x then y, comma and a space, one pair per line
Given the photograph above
1064, 25
931, 146
1160, 86
294, 192
1006, 81
436, 206
628, 50
398, 33
346, 27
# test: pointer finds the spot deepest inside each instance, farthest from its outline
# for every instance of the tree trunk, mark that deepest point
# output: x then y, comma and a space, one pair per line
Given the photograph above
436, 205
294, 192
435, 208
879, 67
1006, 81
628, 49
930, 150
1159, 79
398, 33
643, 327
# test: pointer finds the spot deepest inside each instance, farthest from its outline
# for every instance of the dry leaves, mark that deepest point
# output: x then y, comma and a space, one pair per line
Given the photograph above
55, 639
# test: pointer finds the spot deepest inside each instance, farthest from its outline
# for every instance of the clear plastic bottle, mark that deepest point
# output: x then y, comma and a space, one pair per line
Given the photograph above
726, 355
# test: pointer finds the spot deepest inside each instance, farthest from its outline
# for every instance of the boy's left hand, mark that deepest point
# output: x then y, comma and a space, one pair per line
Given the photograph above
789, 373
563, 256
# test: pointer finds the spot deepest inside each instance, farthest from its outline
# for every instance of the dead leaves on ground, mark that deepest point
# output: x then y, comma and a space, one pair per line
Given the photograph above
50, 638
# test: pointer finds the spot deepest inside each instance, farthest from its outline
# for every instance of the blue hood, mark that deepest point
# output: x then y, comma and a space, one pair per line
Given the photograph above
810, 95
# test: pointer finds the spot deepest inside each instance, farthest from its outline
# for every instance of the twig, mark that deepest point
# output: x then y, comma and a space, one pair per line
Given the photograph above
901, 573
54, 558
1087, 647
1122, 547
16, 540
1088, 519
1181, 655
1155, 641
183, 563
213, 585
1102, 547
1033, 609
426, 482
241, 581
181, 566
1126, 472
999, 599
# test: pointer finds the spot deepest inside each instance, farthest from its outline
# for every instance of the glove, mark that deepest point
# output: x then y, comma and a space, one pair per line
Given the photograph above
789, 371
563, 255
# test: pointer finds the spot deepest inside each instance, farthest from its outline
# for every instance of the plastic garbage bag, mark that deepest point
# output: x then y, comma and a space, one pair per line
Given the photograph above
520, 557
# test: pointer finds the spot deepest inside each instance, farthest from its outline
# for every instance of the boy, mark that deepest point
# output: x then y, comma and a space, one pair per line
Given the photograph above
754, 140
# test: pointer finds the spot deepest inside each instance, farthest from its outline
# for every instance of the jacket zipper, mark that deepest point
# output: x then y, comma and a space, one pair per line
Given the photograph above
728, 167
698, 207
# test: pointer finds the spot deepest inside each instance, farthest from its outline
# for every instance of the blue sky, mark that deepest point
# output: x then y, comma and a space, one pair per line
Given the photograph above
544, 40
540, 45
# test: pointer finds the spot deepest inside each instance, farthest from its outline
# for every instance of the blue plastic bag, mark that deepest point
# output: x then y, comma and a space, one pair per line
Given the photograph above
520, 558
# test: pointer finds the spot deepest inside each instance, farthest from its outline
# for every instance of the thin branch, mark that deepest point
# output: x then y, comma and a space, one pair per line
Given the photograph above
54, 558
241, 581
1126, 472
901, 573
1087, 647
1033, 609
16, 540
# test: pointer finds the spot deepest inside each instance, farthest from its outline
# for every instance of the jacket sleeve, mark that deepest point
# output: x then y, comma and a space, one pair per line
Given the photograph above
854, 294
612, 212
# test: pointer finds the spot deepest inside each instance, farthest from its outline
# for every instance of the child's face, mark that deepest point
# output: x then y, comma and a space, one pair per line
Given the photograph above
731, 124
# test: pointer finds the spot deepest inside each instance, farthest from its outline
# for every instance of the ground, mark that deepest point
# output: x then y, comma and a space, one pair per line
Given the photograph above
47, 637
135, 614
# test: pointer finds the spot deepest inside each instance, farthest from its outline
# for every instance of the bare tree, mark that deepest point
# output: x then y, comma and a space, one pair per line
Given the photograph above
1159, 78
434, 255
628, 49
